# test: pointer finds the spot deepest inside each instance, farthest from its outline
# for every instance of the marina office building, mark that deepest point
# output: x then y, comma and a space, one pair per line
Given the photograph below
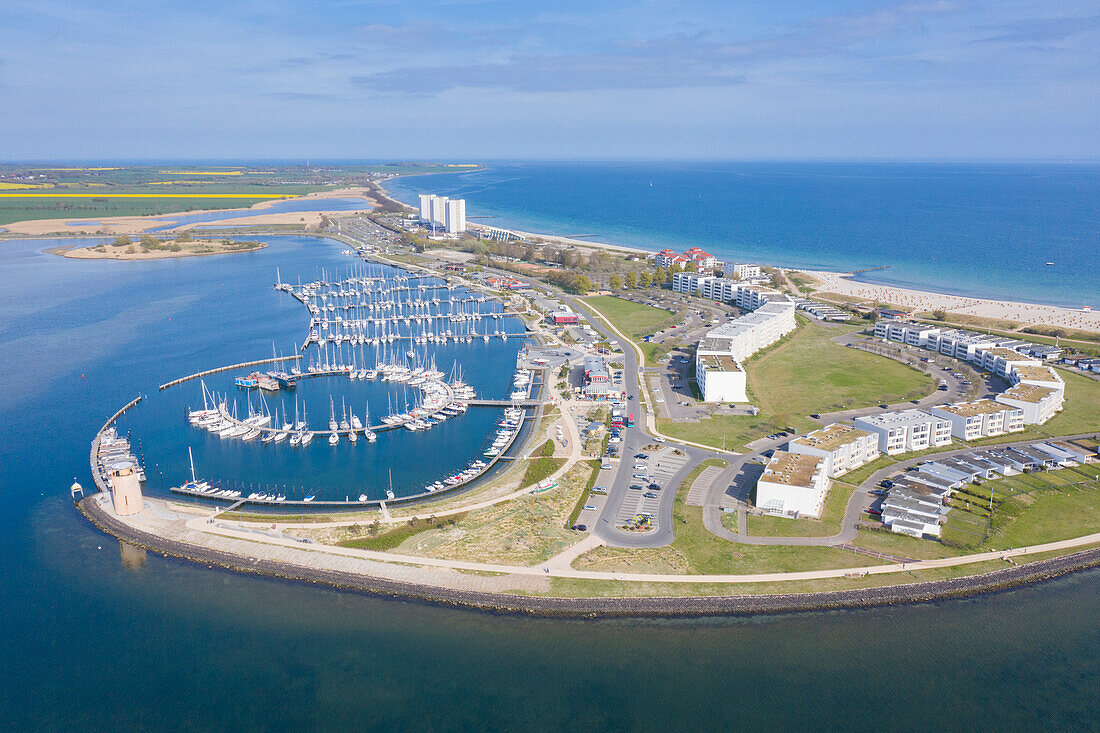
906, 430
793, 484
843, 447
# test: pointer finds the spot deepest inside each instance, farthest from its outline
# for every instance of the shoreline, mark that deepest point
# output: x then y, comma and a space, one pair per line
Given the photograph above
71, 252
1061, 316
600, 607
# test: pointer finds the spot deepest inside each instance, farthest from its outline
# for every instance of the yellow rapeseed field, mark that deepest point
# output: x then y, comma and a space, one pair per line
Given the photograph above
21, 195
5, 186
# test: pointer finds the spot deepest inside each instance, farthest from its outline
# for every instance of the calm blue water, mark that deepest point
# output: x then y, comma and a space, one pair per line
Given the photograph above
969, 229
157, 644
276, 207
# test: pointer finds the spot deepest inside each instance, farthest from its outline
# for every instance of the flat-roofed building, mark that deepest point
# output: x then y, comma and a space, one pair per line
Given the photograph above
961, 344
906, 430
793, 484
1041, 376
980, 418
843, 447
720, 378
1002, 361
914, 334
742, 272
1036, 404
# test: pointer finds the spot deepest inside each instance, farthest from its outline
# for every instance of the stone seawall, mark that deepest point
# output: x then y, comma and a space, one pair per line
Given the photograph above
652, 606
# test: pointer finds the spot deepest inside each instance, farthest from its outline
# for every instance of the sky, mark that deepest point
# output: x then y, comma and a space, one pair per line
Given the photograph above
565, 79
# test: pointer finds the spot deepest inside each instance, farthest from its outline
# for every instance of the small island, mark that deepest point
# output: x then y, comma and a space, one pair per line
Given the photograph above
148, 247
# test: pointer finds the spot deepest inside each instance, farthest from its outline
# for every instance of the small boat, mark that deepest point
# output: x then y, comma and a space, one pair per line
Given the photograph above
334, 438
362, 497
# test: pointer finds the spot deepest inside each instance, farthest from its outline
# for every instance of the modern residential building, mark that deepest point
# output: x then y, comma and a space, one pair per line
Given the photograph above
456, 216
1002, 361
426, 208
1041, 376
980, 418
720, 378
843, 447
914, 334
793, 484
742, 272
748, 334
906, 430
1037, 404
597, 379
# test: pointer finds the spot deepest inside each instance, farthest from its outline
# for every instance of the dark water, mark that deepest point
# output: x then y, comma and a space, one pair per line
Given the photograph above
969, 229
93, 637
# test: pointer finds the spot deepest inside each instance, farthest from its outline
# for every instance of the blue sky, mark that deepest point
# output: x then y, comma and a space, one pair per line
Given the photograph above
373, 79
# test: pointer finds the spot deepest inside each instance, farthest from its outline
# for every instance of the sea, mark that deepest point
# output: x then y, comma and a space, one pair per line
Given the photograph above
97, 634
979, 230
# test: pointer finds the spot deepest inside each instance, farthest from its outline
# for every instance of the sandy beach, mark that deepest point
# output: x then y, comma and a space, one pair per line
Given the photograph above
197, 248
140, 224
1028, 314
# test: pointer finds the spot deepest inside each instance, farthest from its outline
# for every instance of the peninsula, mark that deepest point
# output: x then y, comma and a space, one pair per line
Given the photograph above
151, 248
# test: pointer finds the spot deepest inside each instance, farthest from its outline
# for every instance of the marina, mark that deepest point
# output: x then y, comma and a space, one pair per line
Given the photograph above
288, 408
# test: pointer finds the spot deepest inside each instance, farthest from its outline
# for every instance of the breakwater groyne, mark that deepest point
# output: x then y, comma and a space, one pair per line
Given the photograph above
648, 606
242, 365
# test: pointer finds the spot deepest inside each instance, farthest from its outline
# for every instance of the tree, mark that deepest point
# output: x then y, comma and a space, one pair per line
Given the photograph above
122, 240
939, 314
581, 283
616, 282
631, 281
691, 267
645, 279
185, 236
660, 276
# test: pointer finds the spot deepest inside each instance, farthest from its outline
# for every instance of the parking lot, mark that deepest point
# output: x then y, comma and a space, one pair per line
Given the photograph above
657, 469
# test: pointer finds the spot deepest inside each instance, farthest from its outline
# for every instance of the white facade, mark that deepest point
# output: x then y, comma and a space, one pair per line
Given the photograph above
748, 334
456, 216
720, 378
439, 211
1002, 361
980, 419
793, 484
907, 430
1036, 404
843, 447
743, 272
426, 207
914, 334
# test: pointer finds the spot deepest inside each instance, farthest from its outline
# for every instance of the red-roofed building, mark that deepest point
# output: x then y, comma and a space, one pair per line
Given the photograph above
703, 260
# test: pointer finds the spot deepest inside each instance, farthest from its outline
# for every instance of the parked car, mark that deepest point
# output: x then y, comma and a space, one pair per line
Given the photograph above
580, 527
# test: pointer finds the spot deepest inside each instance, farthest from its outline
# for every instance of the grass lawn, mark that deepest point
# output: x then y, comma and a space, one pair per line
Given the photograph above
829, 524
736, 430
14, 209
807, 373
1081, 413
883, 540
541, 467
634, 319
864, 472
394, 537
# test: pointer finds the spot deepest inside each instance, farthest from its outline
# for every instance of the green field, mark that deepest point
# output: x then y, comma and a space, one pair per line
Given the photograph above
633, 319
1081, 413
807, 373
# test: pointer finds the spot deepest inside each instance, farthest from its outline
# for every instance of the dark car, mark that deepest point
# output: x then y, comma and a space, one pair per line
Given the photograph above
580, 527
885, 407
630, 397
654, 487
649, 495
641, 456
815, 416
636, 487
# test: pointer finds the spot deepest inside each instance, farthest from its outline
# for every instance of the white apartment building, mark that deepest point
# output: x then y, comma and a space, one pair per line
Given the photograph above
743, 272
961, 344
914, 334
720, 378
1042, 376
1002, 361
980, 418
906, 430
1036, 404
793, 484
456, 216
752, 297
843, 447
748, 334
426, 207
439, 211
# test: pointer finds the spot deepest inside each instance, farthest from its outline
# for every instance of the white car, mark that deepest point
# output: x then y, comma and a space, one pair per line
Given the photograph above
589, 507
